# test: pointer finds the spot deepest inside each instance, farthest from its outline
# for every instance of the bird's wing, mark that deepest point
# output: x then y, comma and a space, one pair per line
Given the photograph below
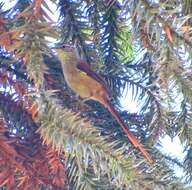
85, 67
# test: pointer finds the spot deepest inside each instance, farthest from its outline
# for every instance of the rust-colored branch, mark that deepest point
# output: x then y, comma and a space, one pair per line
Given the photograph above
28, 161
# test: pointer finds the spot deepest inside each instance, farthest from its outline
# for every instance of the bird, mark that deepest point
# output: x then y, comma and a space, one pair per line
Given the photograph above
87, 84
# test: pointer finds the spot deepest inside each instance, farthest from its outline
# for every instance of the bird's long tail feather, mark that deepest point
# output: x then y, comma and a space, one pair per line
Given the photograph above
129, 134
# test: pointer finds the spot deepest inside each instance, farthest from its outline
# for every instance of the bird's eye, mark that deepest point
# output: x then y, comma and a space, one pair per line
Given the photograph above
63, 46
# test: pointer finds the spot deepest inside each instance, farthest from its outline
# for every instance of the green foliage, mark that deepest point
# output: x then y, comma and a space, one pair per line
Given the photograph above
82, 143
75, 26
142, 46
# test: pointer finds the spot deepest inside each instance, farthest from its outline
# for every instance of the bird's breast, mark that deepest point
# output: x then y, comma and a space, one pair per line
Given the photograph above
82, 84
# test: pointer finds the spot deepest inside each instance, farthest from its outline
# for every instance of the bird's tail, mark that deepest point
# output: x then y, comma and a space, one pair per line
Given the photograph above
129, 134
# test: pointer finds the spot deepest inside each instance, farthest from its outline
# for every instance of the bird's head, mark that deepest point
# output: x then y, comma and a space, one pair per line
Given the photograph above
65, 51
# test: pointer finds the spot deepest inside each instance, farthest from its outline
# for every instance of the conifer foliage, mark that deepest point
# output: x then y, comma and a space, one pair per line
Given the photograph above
50, 139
